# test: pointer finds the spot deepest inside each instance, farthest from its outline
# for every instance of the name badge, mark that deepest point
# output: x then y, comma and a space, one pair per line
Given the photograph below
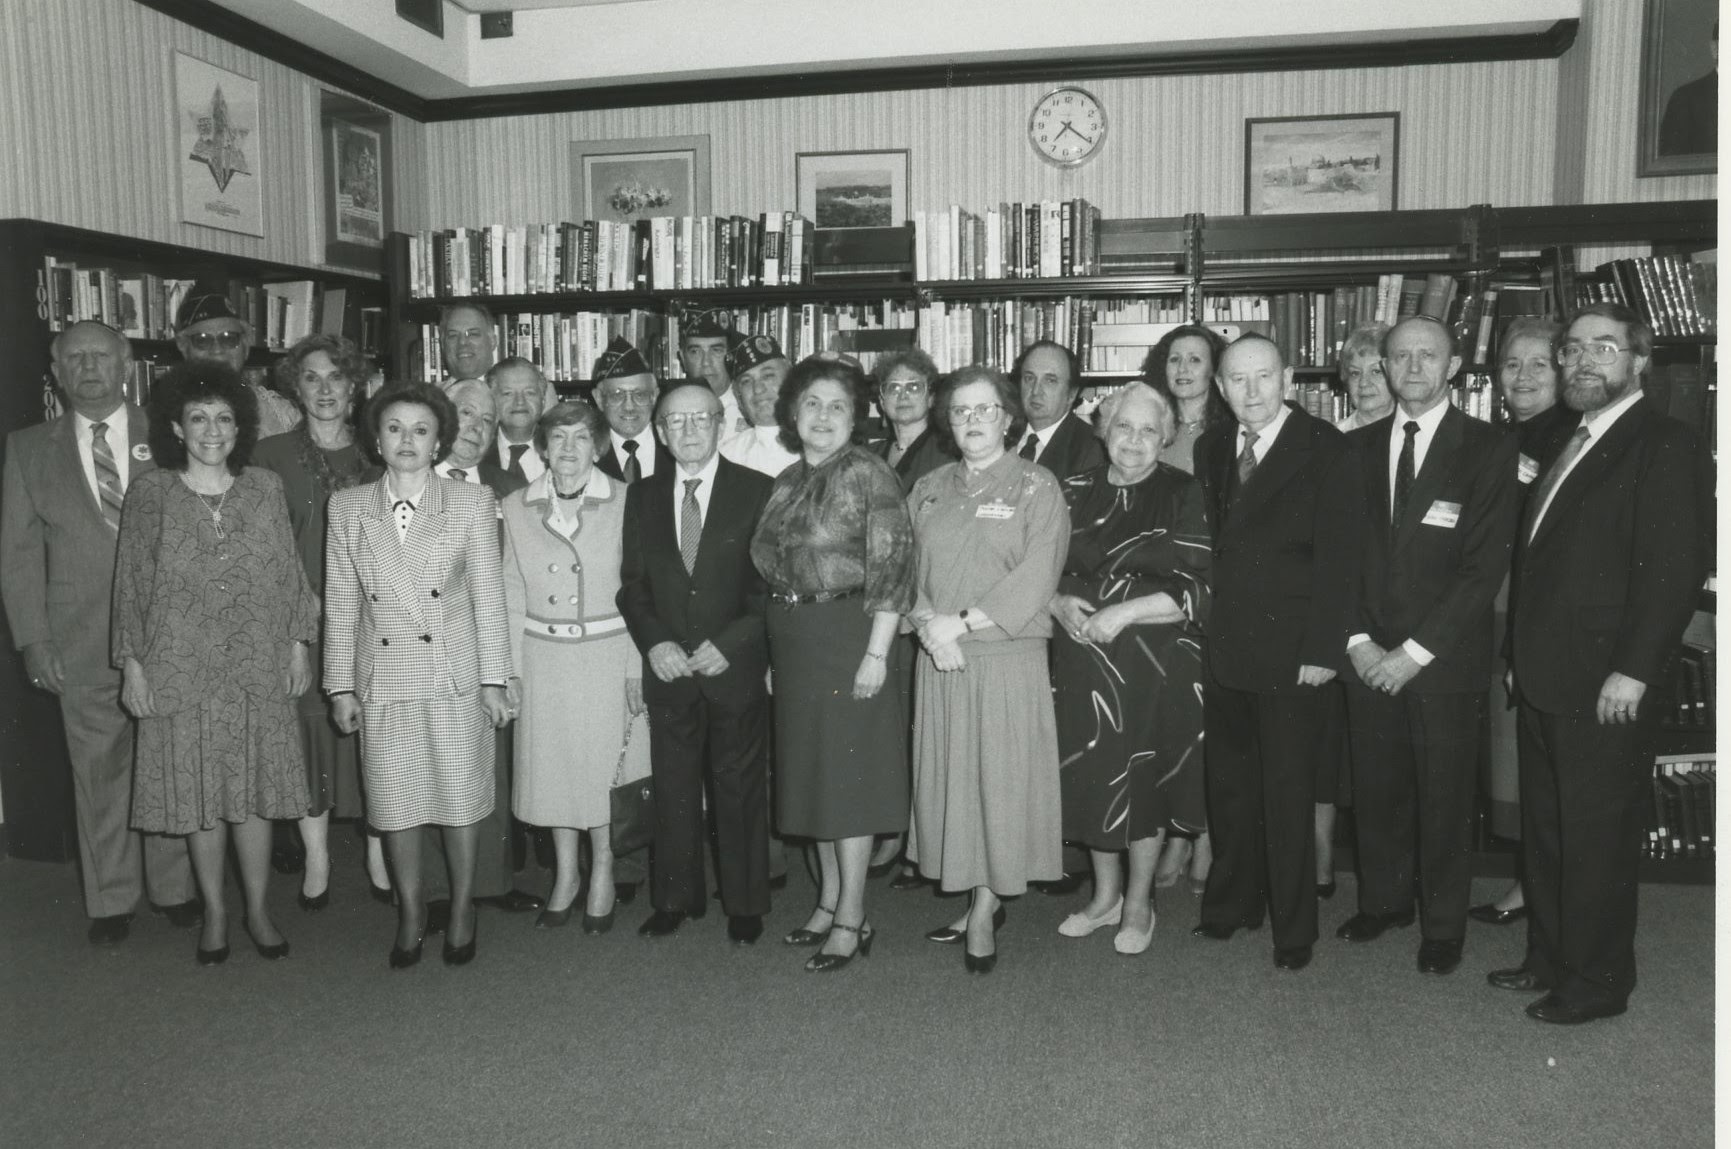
994, 511
1527, 469
1442, 514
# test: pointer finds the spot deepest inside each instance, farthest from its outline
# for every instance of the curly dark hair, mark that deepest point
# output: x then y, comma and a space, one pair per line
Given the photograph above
200, 381
1009, 398
1154, 370
421, 394
811, 370
344, 356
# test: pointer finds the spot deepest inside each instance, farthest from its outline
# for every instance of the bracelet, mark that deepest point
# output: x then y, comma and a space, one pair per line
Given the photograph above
874, 654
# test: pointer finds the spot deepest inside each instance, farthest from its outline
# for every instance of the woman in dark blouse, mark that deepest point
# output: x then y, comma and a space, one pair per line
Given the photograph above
835, 546
323, 374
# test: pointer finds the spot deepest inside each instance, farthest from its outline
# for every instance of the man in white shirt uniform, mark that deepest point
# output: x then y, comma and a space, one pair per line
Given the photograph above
758, 367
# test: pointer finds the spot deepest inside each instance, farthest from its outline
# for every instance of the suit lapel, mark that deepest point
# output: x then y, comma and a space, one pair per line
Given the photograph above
720, 506
1439, 462
1601, 455
391, 556
1376, 458
664, 535
1214, 482
1290, 452
66, 459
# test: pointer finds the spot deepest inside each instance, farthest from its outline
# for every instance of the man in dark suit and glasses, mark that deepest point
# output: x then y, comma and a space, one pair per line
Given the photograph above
1609, 559
625, 390
1285, 507
694, 604
1442, 495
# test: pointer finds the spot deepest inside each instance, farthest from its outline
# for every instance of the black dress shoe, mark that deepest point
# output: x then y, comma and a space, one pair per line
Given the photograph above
553, 919
1293, 958
1325, 890
882, 868
948, 936
513, 901
181, 915
109, 931
829, 963
661, 923
1520, 979
465, 953
1068, 884
624, 893
271, 953
597, 924
1363, 927
404, 958
1556, 1011
438, 915
907, 881
315, 903
976, 964
212, 957
744, 929
1439, 956
1220, 933
1491, 916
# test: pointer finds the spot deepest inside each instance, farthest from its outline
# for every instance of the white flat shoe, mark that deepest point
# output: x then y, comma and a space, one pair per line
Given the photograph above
1080, 925
1132, 942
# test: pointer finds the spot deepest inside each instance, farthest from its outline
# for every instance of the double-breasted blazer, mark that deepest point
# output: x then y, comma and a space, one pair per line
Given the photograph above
421, 617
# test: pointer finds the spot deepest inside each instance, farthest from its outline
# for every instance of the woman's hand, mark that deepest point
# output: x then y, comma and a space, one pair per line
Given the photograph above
499, 711
941, 629
949, 657
1107, 623
1072, 613
300, 670
346, 713
135, 692
869, 678
514, 692
634, 696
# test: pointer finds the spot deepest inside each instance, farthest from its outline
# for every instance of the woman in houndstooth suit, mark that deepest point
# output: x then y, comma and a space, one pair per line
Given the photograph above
417, 653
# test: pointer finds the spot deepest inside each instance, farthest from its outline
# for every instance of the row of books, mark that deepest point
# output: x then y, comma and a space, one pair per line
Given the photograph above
1692, 684
1677, 294
1683, 801
1045, 240
1475, 395
664, 253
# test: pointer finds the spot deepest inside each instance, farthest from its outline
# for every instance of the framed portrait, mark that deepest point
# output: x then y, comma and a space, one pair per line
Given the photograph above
624, 180
355, 180
1300, 164
852, 189
219, 148
1679, 131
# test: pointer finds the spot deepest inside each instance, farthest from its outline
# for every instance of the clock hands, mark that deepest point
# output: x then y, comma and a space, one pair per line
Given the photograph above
1068, 127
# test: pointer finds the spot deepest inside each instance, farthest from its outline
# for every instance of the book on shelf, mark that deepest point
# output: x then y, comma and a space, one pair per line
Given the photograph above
1681, 807
139, 305
1050, 239
1677, 294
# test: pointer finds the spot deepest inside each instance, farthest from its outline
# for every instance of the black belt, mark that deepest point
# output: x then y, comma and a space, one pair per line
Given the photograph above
790, 599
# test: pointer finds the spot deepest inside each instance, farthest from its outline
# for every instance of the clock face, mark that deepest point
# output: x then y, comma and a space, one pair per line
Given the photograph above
1068, 126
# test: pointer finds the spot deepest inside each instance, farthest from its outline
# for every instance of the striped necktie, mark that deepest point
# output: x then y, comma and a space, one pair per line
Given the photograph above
690, 526
108, 491
1554, 477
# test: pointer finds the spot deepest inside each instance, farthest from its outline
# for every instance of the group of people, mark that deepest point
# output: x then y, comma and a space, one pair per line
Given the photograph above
1172, 636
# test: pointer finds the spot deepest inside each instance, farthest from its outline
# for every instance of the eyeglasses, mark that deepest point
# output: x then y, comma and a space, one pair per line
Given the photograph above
978, 413
627, 398
205, 340
699, 420
905, 387
1598, 354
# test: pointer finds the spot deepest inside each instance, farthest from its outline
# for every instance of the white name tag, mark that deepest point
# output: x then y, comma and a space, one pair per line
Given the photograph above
1442, 514
1527, 469
994, 511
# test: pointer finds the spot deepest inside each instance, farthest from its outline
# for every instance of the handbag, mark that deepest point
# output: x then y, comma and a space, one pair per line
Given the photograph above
632, 804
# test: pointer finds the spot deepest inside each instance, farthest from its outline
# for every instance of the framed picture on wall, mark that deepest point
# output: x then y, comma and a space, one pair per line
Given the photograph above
219, 149
1679, 132
624, 180
1298, 164
355, 180
853, 189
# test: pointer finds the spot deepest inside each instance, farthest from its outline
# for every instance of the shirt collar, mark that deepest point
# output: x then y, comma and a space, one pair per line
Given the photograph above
680, 475
1598, 422
1265, 437
1427, 422
645, 440
116, 420
470, 474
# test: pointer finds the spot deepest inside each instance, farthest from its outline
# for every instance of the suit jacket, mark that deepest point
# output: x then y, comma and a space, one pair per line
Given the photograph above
1286, 554
56, 549
925, 454
423, 617
610, 464
1434, 583
722, 600
1073, 449
1611, 578
498, 480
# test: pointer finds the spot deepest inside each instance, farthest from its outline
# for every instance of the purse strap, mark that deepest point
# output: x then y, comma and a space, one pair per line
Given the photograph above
619, 769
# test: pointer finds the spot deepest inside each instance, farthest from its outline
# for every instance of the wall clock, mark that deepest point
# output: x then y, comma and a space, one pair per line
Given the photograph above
1067, 127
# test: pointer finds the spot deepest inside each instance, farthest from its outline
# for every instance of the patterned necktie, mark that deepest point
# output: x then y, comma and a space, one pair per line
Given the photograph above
107, 475
459, 474
690, 526
516, 467
1247, 458
1554, 476
1030, 447
633, 470
1404, 470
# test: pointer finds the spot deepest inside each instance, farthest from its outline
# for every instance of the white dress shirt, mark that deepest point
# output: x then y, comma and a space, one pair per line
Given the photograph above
470, 474
1264, 438
1042, 439
1597, 423
645, 440
533, 465
760, 449
734, 420
119, 436
704, 489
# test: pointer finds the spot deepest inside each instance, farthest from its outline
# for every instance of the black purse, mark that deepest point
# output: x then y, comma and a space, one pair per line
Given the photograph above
632, 804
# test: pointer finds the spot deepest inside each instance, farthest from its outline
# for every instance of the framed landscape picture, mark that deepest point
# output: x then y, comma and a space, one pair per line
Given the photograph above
355, 179
624, 180
1300, 164
852, 189
1679, 130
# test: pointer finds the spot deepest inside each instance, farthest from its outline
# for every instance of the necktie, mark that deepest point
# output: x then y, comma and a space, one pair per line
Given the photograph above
405, 512
1404, 469
516, 466
107, 474
690, 526
1554, 476
1030, 447
633, 470
1247, 459
459, 474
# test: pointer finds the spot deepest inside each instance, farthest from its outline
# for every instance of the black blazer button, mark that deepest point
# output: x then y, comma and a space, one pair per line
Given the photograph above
435, 592
384, 642
426, 638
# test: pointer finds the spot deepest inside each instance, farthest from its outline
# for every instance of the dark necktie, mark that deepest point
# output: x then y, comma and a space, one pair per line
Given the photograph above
1404, 470
633, 470
107, 474
690, 526
1247, 459
459, 474
516, 466
1554, 476
1030, 447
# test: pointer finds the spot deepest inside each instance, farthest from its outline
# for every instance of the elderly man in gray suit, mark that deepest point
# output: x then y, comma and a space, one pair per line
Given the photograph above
60, 505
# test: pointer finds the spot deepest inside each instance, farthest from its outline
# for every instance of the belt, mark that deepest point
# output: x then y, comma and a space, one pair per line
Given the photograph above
594, 628
789, 599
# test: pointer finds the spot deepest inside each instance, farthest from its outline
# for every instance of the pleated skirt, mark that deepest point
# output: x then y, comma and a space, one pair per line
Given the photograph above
232, 757
986, 795
427, 761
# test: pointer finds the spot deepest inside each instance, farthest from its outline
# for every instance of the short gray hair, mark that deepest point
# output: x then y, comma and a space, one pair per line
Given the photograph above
1109, 409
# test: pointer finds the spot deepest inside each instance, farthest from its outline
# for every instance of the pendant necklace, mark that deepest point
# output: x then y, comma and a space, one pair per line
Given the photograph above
214, 510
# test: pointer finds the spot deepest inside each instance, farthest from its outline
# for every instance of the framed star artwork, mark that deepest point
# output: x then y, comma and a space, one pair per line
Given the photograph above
219, 149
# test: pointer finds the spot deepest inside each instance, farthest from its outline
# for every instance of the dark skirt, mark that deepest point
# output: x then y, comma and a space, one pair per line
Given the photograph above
333, 758
841, 765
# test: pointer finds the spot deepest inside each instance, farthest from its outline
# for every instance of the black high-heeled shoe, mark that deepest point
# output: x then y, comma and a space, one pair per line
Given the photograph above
949, 935
554, 919
271, 952
597, 924
212, 957
315, 903
465, 953
829, 963
404, 958
805, 937
381, 894
974, 964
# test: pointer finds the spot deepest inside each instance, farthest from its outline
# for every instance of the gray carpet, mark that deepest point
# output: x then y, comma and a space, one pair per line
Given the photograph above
553, 1038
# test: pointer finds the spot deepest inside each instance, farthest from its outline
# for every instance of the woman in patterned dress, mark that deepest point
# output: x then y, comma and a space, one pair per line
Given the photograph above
212, 616
1126, 663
